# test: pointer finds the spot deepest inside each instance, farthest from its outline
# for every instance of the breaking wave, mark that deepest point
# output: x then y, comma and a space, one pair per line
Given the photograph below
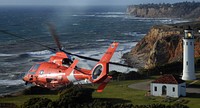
11, 82
40, 53
6, 55
102, 14
133, 34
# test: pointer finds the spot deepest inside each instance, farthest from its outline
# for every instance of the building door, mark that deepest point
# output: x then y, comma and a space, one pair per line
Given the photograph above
164, 90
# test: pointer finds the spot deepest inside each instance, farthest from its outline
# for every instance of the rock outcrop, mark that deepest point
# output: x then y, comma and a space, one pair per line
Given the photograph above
162, 45
189, 10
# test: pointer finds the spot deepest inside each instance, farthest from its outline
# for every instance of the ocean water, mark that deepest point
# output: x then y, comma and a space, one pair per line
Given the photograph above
86, 31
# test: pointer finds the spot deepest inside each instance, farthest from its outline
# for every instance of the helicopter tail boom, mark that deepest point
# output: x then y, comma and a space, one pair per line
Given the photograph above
99, 73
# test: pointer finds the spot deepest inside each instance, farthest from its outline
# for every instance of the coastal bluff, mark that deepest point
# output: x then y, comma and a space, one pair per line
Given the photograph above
188, 10
162, 45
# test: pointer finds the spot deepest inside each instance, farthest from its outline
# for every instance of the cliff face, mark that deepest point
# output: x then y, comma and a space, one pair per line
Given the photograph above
178, 10
162, 45
150, 12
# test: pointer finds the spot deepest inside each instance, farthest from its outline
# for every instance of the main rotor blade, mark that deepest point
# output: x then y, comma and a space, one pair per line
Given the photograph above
54, 50
119, 64
94, 59
11, 34
83, 57
54, 35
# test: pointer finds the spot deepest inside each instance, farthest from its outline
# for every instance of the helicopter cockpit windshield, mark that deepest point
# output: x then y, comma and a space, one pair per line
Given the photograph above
34, 69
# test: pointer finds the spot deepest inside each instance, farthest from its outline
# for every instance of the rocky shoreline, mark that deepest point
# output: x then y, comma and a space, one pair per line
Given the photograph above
162, 45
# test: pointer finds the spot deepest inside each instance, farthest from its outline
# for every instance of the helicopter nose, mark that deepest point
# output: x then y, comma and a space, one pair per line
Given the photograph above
25, 78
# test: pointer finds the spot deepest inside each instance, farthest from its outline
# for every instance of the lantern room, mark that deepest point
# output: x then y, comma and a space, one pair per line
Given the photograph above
188, 34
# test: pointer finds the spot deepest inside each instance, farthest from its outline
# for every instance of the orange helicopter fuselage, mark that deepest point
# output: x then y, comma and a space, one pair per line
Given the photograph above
54, 73
60, 71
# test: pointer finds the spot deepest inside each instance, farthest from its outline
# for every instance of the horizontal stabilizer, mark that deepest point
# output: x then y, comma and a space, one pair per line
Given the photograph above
103, 85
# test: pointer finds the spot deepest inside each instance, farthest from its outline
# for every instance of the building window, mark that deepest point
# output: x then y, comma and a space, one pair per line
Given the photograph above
164, 90
155, 88
173, 89
190, 43
186, 43
187, 63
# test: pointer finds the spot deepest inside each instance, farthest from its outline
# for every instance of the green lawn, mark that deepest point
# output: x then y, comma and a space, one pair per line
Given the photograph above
118, 92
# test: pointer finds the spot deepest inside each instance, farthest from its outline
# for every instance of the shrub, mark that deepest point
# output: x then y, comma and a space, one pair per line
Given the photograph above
119, 76
38, 90
171, 68
36, 103
75, 96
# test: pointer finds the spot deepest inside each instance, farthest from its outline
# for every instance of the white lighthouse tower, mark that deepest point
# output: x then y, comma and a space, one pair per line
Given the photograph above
188, 55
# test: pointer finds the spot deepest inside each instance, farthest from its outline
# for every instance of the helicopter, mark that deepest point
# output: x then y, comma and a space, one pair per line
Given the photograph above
60, 70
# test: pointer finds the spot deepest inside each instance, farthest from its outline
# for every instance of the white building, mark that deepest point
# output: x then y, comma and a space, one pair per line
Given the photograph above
168, 85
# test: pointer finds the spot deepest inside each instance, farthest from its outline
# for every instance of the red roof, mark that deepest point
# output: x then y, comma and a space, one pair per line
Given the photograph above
169, 79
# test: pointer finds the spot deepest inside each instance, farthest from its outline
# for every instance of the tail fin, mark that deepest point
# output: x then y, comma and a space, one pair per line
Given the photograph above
100, 71
109, 53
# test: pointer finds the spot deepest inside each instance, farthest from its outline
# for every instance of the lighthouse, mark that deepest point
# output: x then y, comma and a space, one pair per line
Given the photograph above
188, 55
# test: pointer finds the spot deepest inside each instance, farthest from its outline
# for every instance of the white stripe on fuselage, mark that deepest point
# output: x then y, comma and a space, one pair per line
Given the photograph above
71, 77
51, 75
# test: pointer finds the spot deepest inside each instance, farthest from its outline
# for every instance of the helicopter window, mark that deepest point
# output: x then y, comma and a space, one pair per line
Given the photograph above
67, 61
31, 73
41, 72
34, 68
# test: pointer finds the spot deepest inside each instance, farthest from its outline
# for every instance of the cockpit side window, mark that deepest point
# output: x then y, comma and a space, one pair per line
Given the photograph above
34, 68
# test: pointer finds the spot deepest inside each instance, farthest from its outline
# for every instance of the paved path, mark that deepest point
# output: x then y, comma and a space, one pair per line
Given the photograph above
192, 90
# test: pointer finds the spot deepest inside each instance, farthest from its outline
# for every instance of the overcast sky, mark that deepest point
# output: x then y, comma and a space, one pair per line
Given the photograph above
84, 2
